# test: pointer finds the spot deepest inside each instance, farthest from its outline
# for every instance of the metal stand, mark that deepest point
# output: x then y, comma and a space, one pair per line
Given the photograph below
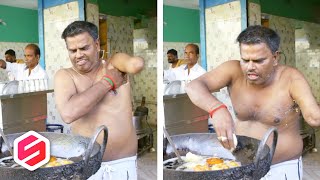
145, 138
309, 139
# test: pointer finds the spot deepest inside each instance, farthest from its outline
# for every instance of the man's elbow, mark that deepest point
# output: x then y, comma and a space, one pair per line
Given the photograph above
67, 117
136, 65
191, 86
313, 121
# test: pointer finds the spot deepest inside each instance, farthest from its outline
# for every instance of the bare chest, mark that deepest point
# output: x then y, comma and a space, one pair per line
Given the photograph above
269, 106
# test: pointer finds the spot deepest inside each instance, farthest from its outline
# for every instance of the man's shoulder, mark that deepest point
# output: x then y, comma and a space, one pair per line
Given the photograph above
200, 68
64, 72
288, 72
181, 62
230, 66
20, 61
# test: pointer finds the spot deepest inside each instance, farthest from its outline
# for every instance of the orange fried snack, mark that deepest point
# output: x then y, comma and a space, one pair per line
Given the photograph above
52, 159
214, 161
201, 168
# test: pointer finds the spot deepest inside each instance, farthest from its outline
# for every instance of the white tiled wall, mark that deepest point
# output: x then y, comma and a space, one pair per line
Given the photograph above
301, 48
92, 13
223, 25
56, 56
120, 34
308, 53
145, 83
286, 29
254, 13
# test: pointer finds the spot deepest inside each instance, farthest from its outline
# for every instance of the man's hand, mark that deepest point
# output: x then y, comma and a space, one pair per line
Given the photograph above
224, 127
116, 76
3, 64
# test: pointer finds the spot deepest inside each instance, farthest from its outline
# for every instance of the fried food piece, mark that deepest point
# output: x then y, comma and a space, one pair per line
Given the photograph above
214, 161
220, 166
52, 159
232, 164
201, 168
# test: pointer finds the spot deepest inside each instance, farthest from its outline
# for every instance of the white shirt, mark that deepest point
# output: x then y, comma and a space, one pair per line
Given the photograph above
170, 74
21, 72
182, 72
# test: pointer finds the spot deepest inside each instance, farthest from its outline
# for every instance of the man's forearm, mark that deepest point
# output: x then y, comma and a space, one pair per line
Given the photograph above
200, 95
82, 103
127, 64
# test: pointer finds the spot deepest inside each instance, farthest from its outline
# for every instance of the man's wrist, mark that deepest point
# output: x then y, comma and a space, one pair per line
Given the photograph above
110, 81
215, 108
106, 84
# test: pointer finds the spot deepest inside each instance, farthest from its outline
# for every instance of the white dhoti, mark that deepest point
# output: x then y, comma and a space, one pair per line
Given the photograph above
120, 169
288, 170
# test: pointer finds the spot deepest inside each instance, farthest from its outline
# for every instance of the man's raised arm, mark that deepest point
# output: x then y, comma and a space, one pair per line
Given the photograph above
127, 64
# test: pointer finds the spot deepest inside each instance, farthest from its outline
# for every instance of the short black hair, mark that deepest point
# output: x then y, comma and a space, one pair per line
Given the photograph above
78, 27
259, 34
10, 52
196, 47
35, 48
173, 51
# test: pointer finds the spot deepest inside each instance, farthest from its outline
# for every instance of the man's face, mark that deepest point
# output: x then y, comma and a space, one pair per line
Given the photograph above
31, 59
190, 55
258, 62
10, 58
172, 58
83, 51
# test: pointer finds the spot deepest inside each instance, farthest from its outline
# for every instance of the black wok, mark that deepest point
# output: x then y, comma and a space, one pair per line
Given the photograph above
255, 156
85, 152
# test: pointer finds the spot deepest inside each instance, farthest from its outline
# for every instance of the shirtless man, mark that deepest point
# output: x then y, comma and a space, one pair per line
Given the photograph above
93, 93
264, 94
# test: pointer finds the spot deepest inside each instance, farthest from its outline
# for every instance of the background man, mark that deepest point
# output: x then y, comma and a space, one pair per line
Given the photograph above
264, 94
192, 69
10, 56
93, 93
172, 56
30, 70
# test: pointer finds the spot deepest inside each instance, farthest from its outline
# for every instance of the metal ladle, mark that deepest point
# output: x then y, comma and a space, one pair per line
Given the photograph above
173, 146
6, 142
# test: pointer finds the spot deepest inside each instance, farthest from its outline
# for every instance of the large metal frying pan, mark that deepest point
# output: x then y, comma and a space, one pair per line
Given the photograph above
255, 156
85, 152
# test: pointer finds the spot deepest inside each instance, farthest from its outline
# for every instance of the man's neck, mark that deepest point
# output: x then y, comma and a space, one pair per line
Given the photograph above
31, 68
189, 67
174, 64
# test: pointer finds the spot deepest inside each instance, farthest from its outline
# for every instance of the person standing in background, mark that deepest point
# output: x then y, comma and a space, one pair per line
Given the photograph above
172, 56
10, 56
192, 69
30, 69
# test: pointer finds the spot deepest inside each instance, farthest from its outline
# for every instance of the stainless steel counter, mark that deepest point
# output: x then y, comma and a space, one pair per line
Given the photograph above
182, 116
23, 111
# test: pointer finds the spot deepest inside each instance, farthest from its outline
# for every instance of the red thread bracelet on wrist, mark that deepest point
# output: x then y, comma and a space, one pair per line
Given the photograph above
109, 81
216, 109
114, 84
